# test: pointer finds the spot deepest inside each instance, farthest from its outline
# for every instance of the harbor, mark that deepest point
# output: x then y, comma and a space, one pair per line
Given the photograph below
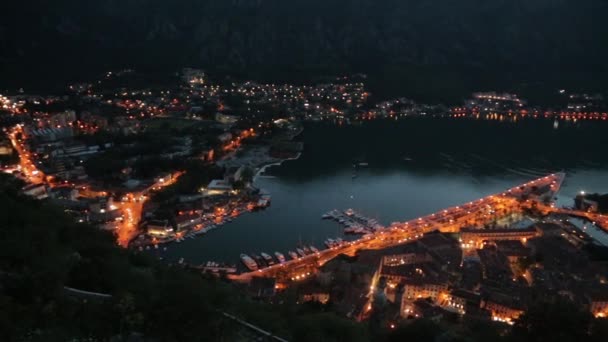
389, 190
354, 223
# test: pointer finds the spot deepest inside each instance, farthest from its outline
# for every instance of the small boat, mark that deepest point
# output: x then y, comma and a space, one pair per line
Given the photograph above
330, 243
293, 255
249, 262
181, 261
306, 250
326, 216
363, 164
268, 259
314, 249
300, 252
279, 257
259, 260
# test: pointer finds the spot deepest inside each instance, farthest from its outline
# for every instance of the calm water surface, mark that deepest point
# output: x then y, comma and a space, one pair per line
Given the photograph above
416, 167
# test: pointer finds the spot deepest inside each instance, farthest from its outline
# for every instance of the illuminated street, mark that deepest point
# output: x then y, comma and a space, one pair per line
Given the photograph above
131, 207
26, 161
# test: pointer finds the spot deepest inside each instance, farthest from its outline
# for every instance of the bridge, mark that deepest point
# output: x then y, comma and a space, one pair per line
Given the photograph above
480, 213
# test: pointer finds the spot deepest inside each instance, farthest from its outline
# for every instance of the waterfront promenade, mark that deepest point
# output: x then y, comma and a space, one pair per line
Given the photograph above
480, 214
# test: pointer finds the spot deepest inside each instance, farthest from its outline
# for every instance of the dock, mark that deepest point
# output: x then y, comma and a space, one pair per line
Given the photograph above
354, 222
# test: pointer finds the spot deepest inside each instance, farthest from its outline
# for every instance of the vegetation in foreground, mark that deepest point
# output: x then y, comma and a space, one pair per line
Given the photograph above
43, 254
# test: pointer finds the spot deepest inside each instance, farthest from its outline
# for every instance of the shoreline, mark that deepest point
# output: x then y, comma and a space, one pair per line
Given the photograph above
262, 169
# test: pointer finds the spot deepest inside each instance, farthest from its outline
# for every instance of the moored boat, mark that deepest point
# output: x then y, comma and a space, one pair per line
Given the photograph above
259, 260
279, 257
267, 258
293, 255
249, 262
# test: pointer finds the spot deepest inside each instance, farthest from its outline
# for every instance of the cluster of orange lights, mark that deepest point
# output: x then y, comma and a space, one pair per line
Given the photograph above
236, 142
463, 112
301, 276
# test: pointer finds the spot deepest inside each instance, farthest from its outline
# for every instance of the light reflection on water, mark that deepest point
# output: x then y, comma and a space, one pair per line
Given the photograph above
407, 177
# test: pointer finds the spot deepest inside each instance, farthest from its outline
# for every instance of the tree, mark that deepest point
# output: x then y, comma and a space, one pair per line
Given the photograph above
418, 330
327, 327
557, 321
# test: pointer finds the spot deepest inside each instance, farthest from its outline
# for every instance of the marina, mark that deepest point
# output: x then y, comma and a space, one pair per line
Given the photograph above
195, 223
263, 260
353, 222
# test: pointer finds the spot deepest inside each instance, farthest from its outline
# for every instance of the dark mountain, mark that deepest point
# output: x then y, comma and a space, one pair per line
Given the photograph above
48, 39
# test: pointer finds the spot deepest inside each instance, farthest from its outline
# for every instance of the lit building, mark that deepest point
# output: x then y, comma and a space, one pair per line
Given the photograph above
422, 308
218, 187
188, 220
472, 237
410, 255
160, 229
424, 288
460, 300
5, 148
37, 191
503, 308
598, 303
320, 297
62, 119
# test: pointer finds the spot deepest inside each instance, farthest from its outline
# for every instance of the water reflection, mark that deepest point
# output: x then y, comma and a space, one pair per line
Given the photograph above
415, 167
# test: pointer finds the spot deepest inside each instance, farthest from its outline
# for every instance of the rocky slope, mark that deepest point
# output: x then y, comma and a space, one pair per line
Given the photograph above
68, 35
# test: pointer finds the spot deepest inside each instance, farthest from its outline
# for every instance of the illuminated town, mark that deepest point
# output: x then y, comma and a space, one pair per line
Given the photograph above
304, 171
156, 166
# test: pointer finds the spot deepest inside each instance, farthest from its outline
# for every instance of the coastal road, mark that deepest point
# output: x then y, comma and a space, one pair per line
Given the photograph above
480, 213
132, 206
